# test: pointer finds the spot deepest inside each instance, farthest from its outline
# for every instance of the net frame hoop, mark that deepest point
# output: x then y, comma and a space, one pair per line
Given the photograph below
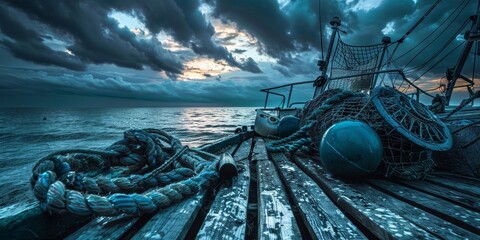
443, 145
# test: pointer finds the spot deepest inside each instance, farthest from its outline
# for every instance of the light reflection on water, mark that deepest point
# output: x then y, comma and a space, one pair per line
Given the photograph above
25, 136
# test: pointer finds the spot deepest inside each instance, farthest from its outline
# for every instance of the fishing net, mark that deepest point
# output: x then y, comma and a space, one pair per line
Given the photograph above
402, 157
351, 60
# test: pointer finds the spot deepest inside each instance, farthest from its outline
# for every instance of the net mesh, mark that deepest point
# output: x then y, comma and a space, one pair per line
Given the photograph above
401, 157
351, 60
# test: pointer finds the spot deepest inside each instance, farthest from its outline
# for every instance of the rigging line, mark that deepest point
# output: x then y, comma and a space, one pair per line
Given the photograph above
474, 61
321, 26
440, 34
438, 62
441, 49
418, 22
439, 26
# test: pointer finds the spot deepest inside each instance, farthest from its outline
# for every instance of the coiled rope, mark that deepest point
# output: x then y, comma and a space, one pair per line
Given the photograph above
142, 173
300, 139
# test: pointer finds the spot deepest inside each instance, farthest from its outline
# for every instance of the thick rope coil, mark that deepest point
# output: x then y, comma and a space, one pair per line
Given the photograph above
94, 182
300, 140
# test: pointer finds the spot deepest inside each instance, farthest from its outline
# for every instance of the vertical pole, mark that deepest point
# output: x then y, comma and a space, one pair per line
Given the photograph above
385, 40
289, 95
266, 99
320, 83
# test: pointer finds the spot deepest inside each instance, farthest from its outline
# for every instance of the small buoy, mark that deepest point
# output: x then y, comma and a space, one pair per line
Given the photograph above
351, 149
44, 118
288, 125
266, 124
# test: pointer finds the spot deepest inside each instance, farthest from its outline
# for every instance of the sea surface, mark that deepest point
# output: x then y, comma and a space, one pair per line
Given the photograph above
26, 135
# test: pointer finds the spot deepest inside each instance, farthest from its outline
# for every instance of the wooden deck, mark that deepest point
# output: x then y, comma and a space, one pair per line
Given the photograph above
292, 197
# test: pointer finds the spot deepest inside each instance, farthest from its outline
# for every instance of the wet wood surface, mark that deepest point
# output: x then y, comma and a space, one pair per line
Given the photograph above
275, 216
455, 185
324, 220
380, 221
456, 197
227, 217
172, 222
455, 214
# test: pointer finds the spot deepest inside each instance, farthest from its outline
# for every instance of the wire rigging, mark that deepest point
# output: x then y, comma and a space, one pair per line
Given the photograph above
451, 39
418, 22
441, 49
439, 26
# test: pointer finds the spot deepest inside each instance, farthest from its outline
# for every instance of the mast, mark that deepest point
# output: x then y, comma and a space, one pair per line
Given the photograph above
320, 82
385, 40
470, 36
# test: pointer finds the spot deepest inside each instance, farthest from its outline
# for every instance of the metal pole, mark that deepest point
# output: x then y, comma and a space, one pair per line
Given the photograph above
385, 40
321, 83
463, 57
266, 99
289, 95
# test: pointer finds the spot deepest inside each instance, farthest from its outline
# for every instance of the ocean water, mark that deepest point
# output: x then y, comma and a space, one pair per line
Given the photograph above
26, 135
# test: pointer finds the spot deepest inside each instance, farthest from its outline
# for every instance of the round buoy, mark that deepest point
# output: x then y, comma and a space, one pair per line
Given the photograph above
351, 149
288, 125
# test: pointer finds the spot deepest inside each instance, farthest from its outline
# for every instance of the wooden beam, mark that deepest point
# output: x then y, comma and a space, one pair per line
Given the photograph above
275, 216
227, 217
172, 222
458, 198
323, 219
455, 185
381, 221
455, 214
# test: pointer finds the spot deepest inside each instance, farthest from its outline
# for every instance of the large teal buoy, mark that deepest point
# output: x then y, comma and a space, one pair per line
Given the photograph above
351, 149
288, 125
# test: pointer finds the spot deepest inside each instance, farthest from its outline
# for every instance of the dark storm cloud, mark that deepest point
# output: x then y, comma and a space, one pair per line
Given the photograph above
262, 19
97, 38
26, 43
21, 83
183, 20
251, 66
282, 31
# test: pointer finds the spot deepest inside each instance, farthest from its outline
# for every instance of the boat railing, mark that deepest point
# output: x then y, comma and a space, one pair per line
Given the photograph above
286, 100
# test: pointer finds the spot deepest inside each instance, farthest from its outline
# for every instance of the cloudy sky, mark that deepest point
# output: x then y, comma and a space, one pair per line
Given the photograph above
202, 52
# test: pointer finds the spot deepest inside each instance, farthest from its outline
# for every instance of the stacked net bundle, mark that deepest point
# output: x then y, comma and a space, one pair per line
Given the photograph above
401, 156
349, 61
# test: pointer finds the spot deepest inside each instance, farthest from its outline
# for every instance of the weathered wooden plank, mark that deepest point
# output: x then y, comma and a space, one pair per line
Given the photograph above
459, 198
430, 223
381, 221
455, 177
275, 216
34, 223
227, 217
455, 185
324, 219
105, 228
455, 214
173, 222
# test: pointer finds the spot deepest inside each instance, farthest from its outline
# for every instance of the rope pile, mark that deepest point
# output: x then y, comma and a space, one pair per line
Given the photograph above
146, 171
402, 156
